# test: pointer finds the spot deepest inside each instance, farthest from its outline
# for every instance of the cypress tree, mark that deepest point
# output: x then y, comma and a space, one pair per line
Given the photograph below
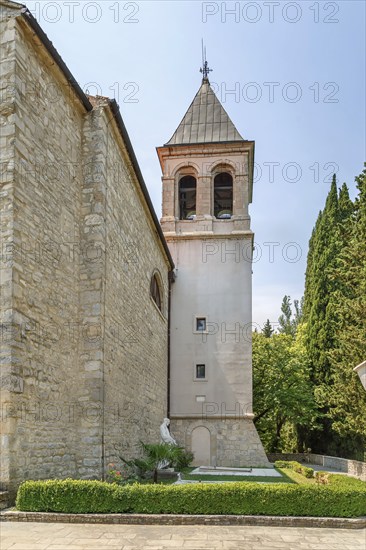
285, 321
335, 316
310, 268
267, 329
345, 207
319, 286
324, 248
347, 398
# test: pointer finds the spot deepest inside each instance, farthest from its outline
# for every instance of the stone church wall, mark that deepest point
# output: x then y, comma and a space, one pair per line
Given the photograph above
132, 378
137, 344
84, 349
7, 134
41, 380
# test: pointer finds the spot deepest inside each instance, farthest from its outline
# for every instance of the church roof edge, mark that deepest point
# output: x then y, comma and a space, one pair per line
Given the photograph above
35, 26
126, 139
12, 5
87, 103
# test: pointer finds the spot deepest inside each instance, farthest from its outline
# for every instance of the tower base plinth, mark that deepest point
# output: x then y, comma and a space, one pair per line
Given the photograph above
220, 442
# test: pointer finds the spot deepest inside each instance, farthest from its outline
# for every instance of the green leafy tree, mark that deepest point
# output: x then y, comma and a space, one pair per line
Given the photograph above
282, 391
305, 391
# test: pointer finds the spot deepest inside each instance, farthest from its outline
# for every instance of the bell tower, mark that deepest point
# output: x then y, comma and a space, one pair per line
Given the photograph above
207, 186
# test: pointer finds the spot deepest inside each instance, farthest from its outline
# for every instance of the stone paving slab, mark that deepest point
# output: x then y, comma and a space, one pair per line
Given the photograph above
57, 536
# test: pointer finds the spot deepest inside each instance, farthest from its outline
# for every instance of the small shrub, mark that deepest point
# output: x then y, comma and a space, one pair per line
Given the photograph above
307, 472
296, 466
183, 461
322, 478
156, 456
122, 476
281, 464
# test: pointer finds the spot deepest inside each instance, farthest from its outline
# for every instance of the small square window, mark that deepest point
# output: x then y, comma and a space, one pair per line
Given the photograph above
201, 324
200, 371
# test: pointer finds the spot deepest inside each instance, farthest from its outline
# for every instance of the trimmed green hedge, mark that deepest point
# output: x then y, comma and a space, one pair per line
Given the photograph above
74, 496
296, 466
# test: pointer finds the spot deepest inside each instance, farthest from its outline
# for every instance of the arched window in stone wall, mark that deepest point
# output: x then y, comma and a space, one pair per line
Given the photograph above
223, 196
156, 291
187, 197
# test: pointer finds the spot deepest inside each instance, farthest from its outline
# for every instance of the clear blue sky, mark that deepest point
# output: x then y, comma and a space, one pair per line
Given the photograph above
298, 71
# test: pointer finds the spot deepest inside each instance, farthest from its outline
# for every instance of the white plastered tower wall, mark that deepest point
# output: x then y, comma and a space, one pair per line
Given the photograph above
212, 415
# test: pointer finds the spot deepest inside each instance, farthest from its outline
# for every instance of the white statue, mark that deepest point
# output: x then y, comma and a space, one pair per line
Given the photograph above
166, 436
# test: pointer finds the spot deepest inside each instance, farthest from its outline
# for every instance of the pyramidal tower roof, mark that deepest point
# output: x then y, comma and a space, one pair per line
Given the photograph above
206, 121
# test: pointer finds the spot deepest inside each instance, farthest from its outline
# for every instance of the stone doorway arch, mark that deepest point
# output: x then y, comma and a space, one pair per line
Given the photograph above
201, 446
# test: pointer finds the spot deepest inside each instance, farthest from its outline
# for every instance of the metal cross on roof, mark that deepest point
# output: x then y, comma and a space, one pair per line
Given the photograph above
204, 69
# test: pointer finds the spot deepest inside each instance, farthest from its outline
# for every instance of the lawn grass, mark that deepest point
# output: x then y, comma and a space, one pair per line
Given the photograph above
294, 477
186, 474
334, 479
288, 476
